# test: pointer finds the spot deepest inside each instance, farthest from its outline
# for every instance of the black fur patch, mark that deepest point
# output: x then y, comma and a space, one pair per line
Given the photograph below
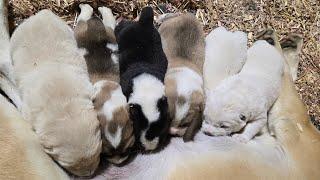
140, 51
160, 128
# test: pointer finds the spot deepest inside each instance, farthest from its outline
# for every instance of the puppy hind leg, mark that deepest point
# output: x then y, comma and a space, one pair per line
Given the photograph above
108, 19
86, 12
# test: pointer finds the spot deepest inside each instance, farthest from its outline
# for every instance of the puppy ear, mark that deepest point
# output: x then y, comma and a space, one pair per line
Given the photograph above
196, 116
194, 127
146, 16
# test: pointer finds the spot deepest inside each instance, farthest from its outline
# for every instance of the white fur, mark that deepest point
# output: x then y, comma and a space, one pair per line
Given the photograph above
107, 16
117, 100
86, 12
177, 154
115, 58
251, 93
147, 90
225, 55
112, 47
114, 139
187, 81
148, 145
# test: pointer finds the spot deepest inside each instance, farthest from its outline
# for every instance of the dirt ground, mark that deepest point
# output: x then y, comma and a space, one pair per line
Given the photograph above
251, 16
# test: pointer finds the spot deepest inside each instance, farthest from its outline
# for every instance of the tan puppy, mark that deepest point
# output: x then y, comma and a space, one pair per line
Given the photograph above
52, 77
98, 39
183, 42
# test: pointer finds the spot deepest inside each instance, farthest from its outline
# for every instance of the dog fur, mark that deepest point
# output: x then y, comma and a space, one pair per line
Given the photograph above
183, 42
52, 77
94, 35
250, 95
143, 65
226, 53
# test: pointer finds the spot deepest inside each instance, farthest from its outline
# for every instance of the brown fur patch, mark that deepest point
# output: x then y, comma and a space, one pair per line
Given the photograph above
105, 94
183, 42
93, 36
172, 95
194, 116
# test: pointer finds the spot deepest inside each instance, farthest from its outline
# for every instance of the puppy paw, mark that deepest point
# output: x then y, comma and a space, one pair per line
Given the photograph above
86, 8
107, 17
241, 138
86, 12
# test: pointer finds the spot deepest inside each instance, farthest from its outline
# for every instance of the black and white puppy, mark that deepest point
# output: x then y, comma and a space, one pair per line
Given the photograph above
143, 65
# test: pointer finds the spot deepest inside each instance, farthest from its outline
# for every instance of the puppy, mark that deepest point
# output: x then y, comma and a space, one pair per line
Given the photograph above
143, 65
183, 42
52, 77
241, 102
98, 39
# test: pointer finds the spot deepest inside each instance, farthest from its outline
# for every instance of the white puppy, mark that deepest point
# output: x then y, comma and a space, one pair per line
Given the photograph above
51, 74
242, 101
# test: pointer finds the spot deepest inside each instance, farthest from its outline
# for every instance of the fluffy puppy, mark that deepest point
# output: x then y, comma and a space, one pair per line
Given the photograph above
225, 55
52, 77
143, 65
183, 42
98, 39
241, 102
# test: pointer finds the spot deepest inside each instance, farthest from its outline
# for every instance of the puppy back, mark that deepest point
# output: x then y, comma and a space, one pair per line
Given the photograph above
183, 38
94, 37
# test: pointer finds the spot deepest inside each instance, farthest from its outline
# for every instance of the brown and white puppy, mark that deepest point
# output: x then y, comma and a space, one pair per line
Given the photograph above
53, 81
183, 42
98, 39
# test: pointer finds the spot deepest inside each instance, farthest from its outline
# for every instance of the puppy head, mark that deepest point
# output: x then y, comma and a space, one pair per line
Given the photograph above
149, 111
224, 114
116, 127
137, 37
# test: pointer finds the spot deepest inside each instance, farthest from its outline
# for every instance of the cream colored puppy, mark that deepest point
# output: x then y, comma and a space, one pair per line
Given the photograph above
183, 42
55, 89
241, 102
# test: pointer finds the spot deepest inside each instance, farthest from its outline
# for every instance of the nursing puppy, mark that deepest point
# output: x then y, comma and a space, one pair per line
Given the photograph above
183, 42
52, 77
143, 65
98, 39
241, 102
225, 55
